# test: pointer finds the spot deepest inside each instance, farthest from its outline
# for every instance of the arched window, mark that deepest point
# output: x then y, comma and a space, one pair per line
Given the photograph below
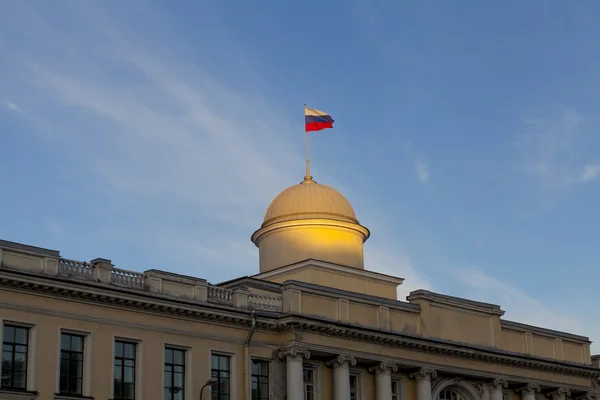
451, 394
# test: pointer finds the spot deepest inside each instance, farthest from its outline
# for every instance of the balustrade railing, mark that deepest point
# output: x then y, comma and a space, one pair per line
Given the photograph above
79, 269
265, 303
220, 295
123, 277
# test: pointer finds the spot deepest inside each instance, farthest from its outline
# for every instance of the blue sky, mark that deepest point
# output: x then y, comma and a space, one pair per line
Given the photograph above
466, 137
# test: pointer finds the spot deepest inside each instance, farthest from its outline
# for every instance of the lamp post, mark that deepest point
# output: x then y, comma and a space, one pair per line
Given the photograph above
208, 382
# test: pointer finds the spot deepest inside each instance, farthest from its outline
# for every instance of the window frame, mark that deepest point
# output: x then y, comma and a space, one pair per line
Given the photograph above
71, 352
136, 365
400, 380
31, 350
186, 388
86, 381
269, 379
230, 372
317, 379
360, 382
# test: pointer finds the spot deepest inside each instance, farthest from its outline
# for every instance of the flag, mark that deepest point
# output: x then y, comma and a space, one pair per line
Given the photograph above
316, 120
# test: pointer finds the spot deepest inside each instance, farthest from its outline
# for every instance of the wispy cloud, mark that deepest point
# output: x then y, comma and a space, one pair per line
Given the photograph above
13, 107
591, 171
422, 170
520, 306
552, 155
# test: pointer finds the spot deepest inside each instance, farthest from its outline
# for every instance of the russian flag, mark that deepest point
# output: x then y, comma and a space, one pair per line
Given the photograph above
316, 120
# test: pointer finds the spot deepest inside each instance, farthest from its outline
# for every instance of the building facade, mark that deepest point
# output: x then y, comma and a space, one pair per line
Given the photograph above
313, 324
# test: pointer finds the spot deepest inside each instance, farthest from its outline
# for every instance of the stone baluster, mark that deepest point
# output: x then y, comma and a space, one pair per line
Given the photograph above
383, 380
294, 358
560, 393
496, 387
341, 375
423, 377
528, 391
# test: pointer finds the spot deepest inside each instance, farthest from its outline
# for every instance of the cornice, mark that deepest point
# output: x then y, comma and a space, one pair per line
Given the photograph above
267, 321
432, 346
107, 296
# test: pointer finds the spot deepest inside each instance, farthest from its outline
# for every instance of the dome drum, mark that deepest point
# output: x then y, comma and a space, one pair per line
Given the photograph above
310, 221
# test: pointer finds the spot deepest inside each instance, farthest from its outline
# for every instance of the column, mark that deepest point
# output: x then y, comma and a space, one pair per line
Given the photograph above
294, 359
423, 377
560, 393
383, 380
341, 375
528, 391
496, 387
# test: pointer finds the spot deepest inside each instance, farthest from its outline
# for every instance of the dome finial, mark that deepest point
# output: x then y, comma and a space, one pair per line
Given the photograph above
307, 177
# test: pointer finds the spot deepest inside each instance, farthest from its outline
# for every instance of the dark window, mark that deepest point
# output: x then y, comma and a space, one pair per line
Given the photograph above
14, 357
309, 383
220, 370
260, 380
124, 375
174, 374
71, 364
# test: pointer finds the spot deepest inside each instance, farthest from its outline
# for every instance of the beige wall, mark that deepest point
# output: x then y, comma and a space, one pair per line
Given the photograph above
153, 332
340, 280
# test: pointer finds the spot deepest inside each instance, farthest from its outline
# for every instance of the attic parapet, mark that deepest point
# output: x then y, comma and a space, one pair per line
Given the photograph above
454, 302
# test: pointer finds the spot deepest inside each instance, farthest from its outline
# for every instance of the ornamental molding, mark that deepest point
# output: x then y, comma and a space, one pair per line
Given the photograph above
461, 384
93, 293
294, 352
587, 396
384, 367
561, 391
341, 360
424, 374
530, 387
498, 384
428, 346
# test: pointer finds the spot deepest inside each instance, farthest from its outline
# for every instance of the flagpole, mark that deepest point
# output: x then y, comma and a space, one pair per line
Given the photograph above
307, 177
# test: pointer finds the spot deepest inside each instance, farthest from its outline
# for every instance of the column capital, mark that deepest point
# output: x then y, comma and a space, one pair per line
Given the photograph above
530, 387
587, 396
342, 359
384, 367
294, 352
423, 374
559, 391
498, 384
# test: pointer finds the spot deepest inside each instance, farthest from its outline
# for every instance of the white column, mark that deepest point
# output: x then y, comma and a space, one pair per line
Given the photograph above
383, 380
560, 393
341, 376
528, 391
496, 387
294, 358
423, 377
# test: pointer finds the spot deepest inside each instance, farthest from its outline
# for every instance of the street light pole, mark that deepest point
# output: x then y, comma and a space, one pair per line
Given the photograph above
208, 382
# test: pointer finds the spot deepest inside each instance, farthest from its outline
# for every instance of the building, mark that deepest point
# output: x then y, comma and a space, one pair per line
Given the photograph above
313, 324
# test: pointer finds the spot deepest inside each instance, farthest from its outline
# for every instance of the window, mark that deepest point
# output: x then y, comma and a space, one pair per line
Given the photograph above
15, 348
260, 380
220, 370
309, 383
397, 388
71, 364
174, 374
354, 388
449, 394
124, 371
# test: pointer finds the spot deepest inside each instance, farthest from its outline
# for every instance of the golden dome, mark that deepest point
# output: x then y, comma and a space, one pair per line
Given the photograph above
309, 200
